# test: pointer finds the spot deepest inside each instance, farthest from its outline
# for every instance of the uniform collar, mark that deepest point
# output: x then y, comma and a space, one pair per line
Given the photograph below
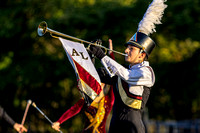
144, 63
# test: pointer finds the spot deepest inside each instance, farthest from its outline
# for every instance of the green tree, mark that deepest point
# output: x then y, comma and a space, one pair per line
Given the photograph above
37, 68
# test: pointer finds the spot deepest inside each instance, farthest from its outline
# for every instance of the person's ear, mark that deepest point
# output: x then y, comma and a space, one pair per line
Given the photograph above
142, 55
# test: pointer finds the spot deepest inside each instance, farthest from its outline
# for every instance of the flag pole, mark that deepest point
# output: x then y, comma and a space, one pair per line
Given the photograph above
34, 105
25, 113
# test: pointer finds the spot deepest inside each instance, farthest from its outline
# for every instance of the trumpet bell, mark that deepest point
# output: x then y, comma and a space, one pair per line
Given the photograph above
42, 28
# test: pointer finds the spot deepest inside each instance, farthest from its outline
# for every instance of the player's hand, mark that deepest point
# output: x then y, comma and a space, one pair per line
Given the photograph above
97, 51
56, 126
19, 128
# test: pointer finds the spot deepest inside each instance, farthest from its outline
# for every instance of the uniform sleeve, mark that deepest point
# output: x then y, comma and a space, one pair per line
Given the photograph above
141, 76
105, 77
5, 116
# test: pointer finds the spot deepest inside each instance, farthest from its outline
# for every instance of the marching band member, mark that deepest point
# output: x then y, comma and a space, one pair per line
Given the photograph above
133, 83
18, 127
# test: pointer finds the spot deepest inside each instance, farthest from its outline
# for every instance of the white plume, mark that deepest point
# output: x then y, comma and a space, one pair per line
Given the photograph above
152, 16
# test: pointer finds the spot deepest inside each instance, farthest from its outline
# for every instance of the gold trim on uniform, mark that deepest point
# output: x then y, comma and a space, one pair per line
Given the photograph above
133, 103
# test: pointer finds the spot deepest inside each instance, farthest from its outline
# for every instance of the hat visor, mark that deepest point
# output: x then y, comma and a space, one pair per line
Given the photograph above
135, 44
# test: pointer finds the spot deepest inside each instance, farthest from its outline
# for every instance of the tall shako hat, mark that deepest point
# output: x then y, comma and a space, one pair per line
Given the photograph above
147, 26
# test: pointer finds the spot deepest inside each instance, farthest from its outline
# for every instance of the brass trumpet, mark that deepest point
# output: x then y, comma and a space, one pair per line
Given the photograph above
43, 28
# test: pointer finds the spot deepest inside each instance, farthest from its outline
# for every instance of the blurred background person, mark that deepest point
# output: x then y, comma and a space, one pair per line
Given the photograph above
18, 127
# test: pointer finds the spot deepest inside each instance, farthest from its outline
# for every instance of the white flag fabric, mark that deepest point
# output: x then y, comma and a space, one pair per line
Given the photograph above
87, 76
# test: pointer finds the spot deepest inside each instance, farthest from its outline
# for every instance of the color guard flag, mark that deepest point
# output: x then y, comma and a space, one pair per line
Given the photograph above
87, 76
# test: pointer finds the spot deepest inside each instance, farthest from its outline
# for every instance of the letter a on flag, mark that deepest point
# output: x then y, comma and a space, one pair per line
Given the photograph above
87, 76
